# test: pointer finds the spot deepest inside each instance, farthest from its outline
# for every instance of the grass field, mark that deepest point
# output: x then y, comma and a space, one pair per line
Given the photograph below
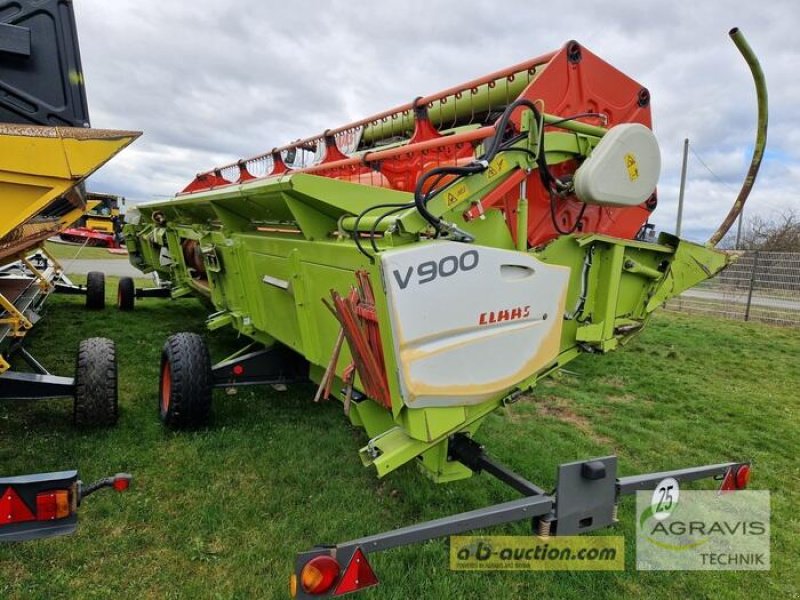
220, 513
67, 252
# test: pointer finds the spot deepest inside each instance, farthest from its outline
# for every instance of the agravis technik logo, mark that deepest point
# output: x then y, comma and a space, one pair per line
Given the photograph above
699, 530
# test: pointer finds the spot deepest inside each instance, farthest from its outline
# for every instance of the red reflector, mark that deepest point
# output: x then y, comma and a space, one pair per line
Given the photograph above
357, 576
736, 479
122, 482
238, 370
52, 505
13, 509
742, 477
319, 574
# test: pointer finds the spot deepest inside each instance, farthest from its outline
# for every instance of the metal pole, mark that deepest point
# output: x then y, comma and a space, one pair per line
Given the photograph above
752, 285
683, 188
522, 217
739, 232
497, 514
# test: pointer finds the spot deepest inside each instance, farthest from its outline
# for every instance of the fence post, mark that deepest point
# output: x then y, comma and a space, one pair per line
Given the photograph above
752, 285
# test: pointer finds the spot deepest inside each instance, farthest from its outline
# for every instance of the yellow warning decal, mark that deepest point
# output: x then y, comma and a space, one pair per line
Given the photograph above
456, 194
633, 166
461, 191
496, 167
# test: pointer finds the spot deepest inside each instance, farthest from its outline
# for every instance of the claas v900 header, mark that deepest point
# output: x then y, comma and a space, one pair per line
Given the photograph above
428, 264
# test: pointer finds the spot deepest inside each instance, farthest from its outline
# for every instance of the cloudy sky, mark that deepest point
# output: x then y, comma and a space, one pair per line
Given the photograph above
210, 82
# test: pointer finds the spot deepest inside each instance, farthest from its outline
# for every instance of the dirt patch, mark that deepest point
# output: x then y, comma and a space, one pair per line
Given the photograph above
14, 573
614, 381
559, 408
623, 399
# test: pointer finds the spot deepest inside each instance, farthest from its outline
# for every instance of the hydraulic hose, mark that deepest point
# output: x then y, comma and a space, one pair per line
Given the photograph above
496, 145
761, 135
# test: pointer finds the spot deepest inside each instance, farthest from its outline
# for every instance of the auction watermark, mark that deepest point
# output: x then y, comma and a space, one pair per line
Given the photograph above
521, 553
702, 530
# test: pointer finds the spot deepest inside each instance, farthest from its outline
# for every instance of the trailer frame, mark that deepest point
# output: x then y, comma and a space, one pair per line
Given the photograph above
585, 499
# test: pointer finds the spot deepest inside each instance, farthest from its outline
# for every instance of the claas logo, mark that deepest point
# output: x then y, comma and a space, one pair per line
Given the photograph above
506, 314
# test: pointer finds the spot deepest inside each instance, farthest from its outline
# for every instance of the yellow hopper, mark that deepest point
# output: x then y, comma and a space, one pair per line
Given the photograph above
41, 174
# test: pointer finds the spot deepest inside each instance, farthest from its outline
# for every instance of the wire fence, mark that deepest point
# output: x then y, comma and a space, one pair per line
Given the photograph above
759, 286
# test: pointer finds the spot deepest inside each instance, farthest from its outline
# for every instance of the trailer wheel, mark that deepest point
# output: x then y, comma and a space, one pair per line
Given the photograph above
126, 294
186, 383
95, 290
96, 383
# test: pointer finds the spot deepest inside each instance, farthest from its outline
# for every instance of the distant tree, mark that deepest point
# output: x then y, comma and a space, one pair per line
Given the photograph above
779, 234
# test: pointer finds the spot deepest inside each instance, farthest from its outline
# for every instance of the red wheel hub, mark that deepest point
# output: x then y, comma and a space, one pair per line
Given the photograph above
166, 386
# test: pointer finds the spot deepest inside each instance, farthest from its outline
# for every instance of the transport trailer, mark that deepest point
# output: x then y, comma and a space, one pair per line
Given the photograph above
586, 498
47, 150
428, 265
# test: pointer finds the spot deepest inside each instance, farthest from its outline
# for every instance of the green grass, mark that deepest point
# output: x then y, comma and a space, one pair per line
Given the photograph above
220, 513
67, 252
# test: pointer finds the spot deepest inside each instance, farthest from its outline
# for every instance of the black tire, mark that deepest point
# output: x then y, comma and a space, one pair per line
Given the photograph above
185, 385
96, 383
126, 294
95, 290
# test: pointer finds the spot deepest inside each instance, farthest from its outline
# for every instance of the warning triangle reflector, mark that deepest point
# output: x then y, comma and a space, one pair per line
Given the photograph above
357, 576
13, 509
728, 482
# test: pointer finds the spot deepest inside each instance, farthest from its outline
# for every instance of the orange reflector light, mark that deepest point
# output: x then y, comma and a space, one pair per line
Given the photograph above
52, 505
357, 576
13, 509
319, 574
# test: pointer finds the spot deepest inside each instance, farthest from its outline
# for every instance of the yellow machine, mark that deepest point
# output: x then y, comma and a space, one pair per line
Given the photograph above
101, 225
41, 174
42, 170
47, 150
103, 210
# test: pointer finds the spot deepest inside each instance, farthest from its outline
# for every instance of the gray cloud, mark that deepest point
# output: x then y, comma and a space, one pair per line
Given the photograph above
212, 82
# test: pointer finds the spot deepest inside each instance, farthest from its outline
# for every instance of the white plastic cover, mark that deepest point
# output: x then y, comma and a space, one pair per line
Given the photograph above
469, 322
133, 216
622, 170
